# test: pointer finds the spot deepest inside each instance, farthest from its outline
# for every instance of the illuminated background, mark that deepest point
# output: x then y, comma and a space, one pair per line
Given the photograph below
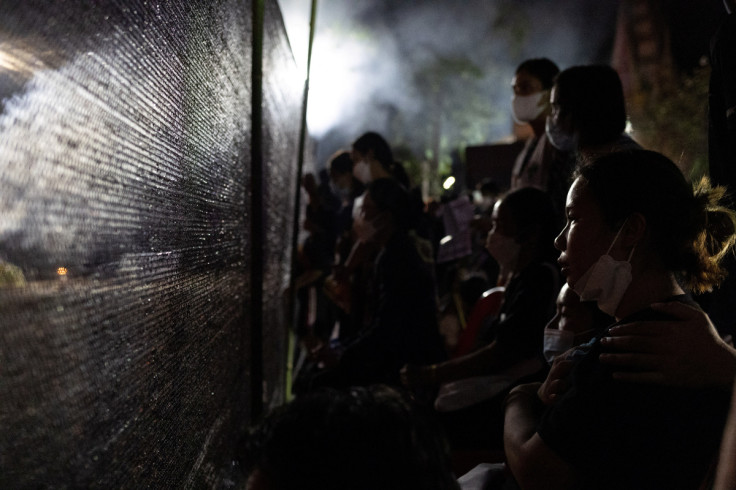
434, 76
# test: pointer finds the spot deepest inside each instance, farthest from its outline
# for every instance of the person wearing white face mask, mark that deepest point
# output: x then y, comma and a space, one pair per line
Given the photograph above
588, 113
401, 299
372, 159
539, 164
576, 322
634, 220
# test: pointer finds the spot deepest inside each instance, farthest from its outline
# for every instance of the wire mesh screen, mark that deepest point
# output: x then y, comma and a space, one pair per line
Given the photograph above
125, 131
282, 106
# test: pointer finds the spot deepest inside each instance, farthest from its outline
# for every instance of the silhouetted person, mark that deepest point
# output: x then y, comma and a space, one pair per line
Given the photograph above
589, 113
401, 298
370, 438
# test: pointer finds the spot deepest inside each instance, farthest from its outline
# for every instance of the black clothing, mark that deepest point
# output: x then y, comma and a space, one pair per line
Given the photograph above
403, 329
625, 435
529, 303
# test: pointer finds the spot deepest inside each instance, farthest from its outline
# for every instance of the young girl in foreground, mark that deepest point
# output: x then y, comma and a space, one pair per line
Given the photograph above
636, 234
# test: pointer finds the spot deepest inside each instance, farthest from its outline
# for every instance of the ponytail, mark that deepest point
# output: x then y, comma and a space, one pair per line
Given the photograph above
715, 236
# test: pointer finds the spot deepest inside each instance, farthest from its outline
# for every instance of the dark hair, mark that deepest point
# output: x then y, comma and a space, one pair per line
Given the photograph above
594, 97
488, 186
360, 439
389, 195
381, 150
532, 209
691, 230
399, 173
340, 163
542, 69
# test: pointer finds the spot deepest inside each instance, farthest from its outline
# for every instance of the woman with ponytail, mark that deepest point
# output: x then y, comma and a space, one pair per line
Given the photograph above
638, 239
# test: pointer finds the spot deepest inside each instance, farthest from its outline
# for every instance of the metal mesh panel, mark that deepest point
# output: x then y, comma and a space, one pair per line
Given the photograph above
124, 251
282, 88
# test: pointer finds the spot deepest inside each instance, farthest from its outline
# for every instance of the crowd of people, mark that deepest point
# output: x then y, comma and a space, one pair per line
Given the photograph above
587, 357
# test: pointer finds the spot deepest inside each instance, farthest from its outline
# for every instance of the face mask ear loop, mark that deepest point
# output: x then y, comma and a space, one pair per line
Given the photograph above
544, 97
608, 252
631, 254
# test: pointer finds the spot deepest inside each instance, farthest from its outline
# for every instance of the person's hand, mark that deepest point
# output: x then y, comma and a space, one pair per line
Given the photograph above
361, 253
413, 376
309, 183
556, 383
337, 289
525, 395
685, 351
531, 389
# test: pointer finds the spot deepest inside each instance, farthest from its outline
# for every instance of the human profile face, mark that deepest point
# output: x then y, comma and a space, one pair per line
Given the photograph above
361, 166
524, 83
369, 209
501, 241
557, 114
585, 237
572, 314
356, 156
502, 223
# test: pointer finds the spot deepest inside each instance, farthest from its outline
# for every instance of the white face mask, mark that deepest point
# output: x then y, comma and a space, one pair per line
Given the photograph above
557, 342
560, 139
606, 281
526, 108
504, 249
342, 193
362, 172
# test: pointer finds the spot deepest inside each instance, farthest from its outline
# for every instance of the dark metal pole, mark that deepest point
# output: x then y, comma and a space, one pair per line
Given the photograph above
297, 205
257, 233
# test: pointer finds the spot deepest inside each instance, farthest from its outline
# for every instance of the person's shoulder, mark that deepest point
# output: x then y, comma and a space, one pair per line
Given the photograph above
648, 314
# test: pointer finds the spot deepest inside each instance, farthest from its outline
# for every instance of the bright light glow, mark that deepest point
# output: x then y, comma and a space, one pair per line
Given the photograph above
449, 182
445, 239
348, 66
629, 128
296, 18
61, 271
336, 64
335, 81
14, 59
6, 61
